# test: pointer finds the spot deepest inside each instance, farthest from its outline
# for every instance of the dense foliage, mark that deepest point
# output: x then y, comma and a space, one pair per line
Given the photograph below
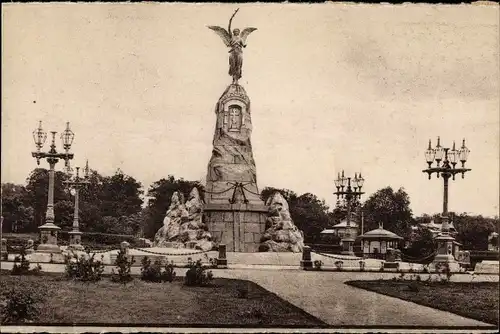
107, 204
84, 268
111, 205
198, 275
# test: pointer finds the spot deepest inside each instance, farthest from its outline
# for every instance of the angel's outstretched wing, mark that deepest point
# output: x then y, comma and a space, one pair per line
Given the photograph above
224, 35
245, 33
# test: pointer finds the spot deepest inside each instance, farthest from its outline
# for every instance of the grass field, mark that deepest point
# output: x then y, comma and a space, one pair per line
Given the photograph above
473, 300
139, 302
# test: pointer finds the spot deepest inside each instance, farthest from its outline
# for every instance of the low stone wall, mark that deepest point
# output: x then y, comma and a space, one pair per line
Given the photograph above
487, 267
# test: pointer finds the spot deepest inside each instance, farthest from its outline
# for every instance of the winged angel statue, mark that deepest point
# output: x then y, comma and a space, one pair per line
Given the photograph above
236, 42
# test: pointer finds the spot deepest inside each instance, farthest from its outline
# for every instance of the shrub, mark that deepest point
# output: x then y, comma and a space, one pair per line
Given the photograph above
339, 264
24, 266
123, 265
318, 264
197, 275
168, 274
443, 268
418, 278
20, 305
150, 272
84, 268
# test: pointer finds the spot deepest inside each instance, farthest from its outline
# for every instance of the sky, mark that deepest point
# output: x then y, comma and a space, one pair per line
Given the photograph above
333, 87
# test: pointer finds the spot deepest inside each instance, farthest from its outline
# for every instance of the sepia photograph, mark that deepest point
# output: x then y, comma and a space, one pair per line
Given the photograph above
250, 167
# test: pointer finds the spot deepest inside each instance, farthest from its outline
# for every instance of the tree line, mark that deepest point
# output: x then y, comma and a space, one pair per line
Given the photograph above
114, 204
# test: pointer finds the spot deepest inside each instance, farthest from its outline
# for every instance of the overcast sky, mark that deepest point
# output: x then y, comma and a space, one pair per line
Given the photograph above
332, 87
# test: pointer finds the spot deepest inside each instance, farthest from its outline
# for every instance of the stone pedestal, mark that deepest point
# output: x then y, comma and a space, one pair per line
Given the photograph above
75, 241
306, 261
348, 246
445, 249
48, 239
238, 226
222, 259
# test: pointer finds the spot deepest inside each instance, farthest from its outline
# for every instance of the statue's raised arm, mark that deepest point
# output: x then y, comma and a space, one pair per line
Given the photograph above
235, 42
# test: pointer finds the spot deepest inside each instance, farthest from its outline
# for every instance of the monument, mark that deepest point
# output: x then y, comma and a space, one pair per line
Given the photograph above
234, 211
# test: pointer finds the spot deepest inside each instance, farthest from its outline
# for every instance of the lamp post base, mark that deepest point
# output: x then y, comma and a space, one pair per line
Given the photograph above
347, 246
48, 238
445, 252
48, 248
75, 241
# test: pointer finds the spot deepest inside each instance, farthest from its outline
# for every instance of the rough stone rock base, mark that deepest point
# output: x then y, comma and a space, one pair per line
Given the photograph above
238, 226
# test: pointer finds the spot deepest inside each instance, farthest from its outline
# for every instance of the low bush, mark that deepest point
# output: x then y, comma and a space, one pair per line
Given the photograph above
168, 274
197, 275
152, 272
84, 268
23, 268
318, 264
20, 305
123, 265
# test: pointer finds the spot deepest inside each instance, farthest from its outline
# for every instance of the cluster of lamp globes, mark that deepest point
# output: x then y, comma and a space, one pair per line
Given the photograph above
67, 137
446, 156
342, 182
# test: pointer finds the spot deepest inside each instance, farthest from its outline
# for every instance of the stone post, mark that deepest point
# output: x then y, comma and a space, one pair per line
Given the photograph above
124, 246
306, 261
4, 249
222, 260
30, 247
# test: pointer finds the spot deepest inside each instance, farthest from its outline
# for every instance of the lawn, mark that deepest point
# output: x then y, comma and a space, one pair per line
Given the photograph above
139, 302
473, 300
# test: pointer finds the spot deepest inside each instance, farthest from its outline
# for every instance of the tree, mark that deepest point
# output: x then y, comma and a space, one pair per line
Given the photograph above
473, 231
18, 215
120, 195
160, 195
422, 244
390, 208
64, 213
37, 192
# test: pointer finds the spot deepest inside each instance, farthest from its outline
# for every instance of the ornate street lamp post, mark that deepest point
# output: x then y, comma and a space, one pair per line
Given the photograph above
48, 231
447, 169
350, 194
75, 236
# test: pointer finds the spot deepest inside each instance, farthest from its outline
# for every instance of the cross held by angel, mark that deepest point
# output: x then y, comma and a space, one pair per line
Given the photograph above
236, 42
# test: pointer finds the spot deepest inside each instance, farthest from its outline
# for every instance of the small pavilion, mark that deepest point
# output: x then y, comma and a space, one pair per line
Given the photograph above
379, 240
340, 230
